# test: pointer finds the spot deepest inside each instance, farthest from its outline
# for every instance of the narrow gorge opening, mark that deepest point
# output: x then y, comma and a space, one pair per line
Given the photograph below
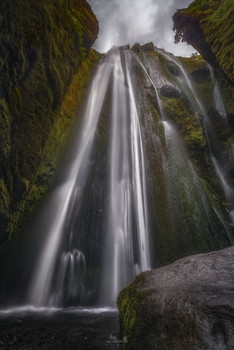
117, 166
130, 195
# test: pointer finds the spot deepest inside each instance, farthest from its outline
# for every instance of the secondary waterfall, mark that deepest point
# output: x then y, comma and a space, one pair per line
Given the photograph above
62, 269
218, 102
219, 160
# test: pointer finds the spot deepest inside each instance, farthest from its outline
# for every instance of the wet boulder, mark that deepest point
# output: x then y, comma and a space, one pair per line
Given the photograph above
186, 305
169, 92
174, 70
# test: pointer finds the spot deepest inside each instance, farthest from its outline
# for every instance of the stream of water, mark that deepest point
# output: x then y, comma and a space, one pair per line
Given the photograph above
126, 234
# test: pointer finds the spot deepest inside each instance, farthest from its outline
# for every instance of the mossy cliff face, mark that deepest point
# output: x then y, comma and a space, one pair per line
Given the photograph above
208, 26
185, 194
180, 306
42, 47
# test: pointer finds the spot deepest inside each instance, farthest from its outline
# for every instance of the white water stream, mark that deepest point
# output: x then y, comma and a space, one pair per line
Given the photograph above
126, 246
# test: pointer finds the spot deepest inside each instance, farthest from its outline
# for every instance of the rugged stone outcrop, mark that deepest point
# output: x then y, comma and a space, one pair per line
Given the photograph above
186, 305
169, 91
187, 27
42, 47
208, 27
178, 235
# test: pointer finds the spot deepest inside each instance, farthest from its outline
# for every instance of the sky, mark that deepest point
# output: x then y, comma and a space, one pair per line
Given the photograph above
129, 21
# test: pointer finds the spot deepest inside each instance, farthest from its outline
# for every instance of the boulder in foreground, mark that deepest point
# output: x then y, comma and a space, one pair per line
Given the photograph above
186, 305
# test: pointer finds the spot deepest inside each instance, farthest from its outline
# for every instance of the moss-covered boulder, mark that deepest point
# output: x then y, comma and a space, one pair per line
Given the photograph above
186, 305
42, 47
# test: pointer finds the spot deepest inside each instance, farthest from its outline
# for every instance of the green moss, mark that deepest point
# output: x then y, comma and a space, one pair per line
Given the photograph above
129, 305
219, 31
136, 48
179, 110
42, 46
187, 187
193, 63
227, 92
66, 118
4, 201
5, 131
215, 18
21, 219
202, 7
27, 208
147, 47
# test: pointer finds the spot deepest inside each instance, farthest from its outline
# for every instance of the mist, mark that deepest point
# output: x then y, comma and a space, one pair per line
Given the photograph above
129, 21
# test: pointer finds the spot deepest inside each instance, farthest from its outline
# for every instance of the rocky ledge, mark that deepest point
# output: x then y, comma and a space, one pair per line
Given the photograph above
208, 27
186, 305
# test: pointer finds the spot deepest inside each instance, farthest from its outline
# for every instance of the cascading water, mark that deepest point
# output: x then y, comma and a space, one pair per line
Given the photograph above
185, 84
128, 196
184, 190
60, 274
66, 196
126, 250
223, 166
218, 160
218, 102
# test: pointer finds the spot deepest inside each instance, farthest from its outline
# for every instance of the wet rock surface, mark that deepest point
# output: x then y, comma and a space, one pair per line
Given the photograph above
169, 91
174, 70
200, 74
208, 27
186, 305
59, 330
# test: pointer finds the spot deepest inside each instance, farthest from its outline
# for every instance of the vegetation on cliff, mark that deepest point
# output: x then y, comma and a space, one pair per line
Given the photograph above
42, 47
21, 219
148, 309
208, 26
187, 228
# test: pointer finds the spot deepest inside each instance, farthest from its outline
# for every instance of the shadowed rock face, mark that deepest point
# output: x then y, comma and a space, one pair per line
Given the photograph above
208, 27
188, 26
42, 46
169, 91
200, 74
186, 305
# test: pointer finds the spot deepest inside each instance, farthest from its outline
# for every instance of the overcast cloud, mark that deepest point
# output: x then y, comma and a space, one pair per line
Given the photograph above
129, 21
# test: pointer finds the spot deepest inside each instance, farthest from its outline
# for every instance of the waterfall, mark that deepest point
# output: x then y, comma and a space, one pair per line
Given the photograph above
128, 196
60, 274
160, 106
218, 160
65, 196
222, 166
218, 102
186, 85
189, 183
126, 250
